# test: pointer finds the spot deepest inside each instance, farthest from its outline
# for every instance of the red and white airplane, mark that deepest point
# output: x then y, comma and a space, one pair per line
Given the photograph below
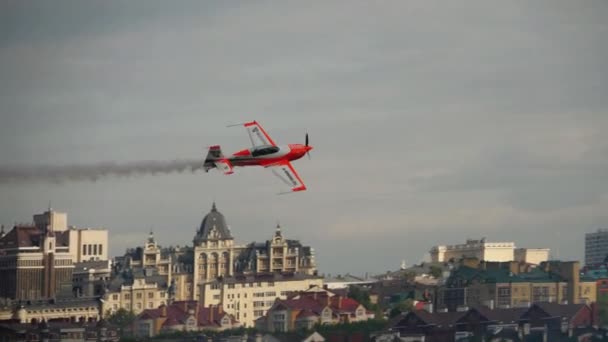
264, 152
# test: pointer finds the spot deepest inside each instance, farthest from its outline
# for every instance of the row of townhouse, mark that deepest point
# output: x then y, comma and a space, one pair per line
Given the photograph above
545, 321
305, 309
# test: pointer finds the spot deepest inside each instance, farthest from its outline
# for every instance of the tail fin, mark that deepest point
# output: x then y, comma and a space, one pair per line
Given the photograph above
214, 154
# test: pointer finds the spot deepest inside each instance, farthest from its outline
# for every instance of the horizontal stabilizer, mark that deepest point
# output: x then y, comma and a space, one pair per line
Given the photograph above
224, 165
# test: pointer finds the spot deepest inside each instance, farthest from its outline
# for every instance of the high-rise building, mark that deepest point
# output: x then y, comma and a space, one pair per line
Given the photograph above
596, 247
34, 263
85, 244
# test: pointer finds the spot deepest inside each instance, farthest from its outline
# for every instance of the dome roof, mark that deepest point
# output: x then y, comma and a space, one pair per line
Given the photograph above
213, 227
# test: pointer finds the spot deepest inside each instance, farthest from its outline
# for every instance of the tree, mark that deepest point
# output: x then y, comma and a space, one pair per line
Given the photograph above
360, 295
403, 306
122, 318
436, 271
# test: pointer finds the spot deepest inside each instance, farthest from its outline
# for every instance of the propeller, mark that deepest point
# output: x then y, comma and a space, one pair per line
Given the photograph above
306, 144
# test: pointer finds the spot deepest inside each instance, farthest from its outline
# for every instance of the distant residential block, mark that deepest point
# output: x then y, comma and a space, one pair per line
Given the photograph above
596, 247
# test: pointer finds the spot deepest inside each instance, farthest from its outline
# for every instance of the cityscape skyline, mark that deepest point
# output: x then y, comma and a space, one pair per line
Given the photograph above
431, 122
389, 266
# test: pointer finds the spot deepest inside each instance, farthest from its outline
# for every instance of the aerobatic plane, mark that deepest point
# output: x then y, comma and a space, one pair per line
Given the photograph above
264, 152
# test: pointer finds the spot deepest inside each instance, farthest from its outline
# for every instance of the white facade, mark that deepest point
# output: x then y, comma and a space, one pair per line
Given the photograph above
532, 255
249, 298
489, 251
596, 247
480, 249
88, 244
53, 219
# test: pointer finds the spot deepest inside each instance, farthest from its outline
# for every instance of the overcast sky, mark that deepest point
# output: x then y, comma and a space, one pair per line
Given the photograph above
432, 121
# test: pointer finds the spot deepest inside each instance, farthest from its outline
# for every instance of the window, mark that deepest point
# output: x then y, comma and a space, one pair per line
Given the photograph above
216, 296
230, 286
94, 249
138, 305
258, 313
150, 305
127, 296
258, 304
90, 249
139, 295
115, 297
100, 249
271, 283
279, 326
84, 249
271, 294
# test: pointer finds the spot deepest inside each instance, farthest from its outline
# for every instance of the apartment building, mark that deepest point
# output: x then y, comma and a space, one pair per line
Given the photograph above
248, 297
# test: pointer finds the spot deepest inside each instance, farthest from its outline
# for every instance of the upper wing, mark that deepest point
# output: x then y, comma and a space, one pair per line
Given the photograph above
285, 171
258, 135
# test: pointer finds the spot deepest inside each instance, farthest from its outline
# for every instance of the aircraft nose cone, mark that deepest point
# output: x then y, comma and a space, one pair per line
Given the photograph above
308, 148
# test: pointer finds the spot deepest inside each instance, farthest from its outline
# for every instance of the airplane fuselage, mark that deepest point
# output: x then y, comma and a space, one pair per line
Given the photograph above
268, 155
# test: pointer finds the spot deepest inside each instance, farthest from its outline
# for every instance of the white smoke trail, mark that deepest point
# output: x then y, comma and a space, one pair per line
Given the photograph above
93, 172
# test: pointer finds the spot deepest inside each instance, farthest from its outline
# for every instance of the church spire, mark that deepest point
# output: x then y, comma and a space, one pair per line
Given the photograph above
151, 237
277, 232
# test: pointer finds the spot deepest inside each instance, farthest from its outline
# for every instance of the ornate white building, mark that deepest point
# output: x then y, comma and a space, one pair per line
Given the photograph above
488, 251
180, 271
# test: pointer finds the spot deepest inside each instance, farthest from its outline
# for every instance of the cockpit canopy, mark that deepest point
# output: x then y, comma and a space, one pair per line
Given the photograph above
264, 150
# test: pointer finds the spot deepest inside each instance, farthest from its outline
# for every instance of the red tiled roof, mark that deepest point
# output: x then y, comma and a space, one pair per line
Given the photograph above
178, 312
315, 302
21, 236
30, 236
171, 322
347, 304
306, 313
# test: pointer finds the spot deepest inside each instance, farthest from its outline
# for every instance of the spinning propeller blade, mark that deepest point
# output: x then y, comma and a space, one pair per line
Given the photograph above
306, 143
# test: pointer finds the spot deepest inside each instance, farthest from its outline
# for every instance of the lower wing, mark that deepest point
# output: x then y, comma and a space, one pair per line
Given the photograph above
285, 171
